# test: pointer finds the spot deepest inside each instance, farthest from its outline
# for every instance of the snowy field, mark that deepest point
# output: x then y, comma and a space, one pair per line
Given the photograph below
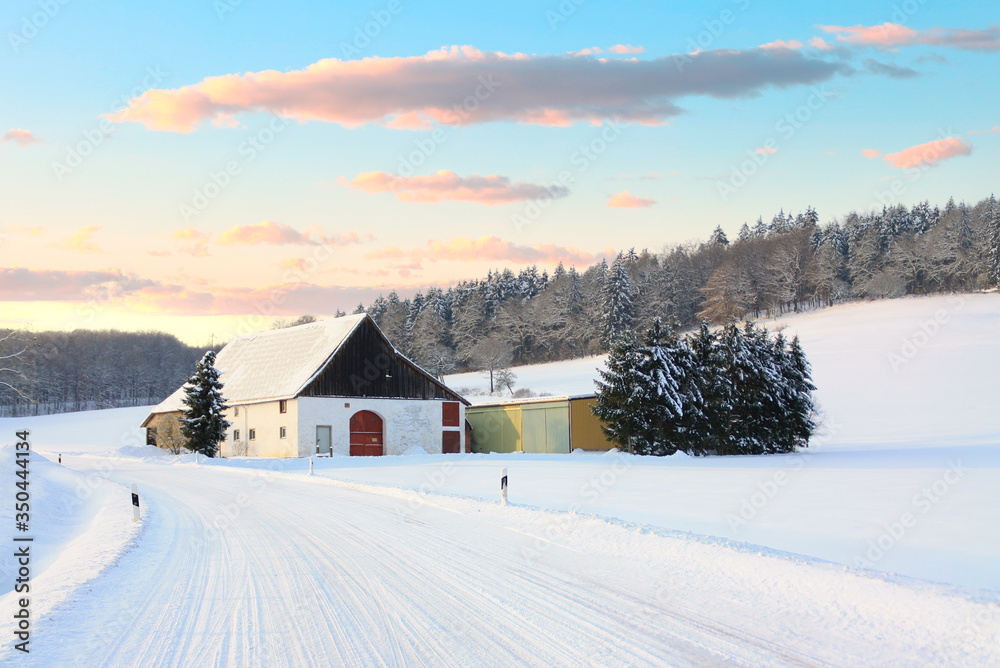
878, 545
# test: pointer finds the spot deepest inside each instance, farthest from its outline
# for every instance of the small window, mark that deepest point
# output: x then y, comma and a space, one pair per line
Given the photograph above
236, 434
253, 434
283, 406
236, 412
281, 432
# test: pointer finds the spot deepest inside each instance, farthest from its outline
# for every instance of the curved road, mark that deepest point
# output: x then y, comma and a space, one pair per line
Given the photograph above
247, 569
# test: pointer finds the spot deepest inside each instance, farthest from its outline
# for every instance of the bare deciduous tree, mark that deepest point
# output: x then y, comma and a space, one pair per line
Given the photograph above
491, 355
14, 348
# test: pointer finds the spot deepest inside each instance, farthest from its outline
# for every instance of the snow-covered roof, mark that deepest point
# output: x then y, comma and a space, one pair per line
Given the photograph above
275, 364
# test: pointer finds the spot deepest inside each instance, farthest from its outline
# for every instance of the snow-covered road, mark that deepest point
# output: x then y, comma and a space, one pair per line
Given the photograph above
243, 567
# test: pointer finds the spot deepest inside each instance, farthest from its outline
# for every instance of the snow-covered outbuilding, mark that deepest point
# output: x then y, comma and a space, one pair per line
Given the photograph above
333, 386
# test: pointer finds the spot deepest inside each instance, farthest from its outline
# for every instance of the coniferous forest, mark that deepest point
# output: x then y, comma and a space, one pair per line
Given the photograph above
789, 263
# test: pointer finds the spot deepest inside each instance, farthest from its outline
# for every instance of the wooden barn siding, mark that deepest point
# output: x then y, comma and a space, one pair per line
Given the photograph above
359, 367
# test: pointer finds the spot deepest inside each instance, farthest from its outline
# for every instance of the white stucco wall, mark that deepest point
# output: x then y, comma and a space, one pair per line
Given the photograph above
407, 422
266, 420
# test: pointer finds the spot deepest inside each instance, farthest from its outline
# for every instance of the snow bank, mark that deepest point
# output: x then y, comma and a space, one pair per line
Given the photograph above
81, 525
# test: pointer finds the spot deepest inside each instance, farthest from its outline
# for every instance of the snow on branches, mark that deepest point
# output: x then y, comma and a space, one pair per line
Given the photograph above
202, 421
738, 391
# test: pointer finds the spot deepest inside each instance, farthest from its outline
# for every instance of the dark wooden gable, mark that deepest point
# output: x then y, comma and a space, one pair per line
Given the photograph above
367, 366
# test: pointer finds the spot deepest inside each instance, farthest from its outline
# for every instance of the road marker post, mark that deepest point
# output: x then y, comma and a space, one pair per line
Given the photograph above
135, 503
310, 465
503, 486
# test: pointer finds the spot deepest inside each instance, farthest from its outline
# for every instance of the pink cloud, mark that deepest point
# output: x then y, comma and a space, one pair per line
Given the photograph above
462, 85
929, 154
21, 284
446, 185
820, 43
195, 242
891, 35
782, 44
617, 49
278, 234
625, 200
870, 153
81, 241
20, 137
489, 248
765, 150
625, 49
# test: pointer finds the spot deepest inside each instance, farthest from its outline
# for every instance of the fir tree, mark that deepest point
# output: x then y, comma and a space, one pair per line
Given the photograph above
718, 237
802, 410
202, 421
618, 307
619, 405
667, 370
993, 230
708, 419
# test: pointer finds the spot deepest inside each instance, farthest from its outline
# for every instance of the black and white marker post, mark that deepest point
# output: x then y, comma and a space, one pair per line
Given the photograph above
135, 503
503, 486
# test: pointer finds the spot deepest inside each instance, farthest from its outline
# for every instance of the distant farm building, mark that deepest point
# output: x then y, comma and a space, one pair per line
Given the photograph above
334, 386
545, 424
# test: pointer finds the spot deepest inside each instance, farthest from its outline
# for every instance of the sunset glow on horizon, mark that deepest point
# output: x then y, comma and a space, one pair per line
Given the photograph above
273, 164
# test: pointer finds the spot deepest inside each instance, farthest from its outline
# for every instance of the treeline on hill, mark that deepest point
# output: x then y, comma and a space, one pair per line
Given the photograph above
735, 392
791, 263
92, 369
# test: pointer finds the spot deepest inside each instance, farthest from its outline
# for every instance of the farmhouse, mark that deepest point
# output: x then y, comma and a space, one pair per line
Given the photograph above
334, 386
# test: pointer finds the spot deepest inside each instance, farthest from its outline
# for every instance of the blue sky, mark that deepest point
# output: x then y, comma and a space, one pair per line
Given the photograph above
107, 243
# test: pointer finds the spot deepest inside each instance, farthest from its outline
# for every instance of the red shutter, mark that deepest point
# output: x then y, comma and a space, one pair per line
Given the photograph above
450, 414
451, 442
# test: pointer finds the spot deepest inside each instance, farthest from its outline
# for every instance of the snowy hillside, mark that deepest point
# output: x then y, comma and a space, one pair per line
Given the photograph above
917, 371
884, 530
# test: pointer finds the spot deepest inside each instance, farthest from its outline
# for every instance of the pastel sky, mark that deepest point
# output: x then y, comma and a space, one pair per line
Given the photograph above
201, 166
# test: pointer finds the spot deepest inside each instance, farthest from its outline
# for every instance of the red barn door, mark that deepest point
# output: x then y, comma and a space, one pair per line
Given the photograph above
366, 434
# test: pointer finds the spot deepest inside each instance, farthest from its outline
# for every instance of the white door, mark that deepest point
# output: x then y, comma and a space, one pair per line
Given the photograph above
323, 440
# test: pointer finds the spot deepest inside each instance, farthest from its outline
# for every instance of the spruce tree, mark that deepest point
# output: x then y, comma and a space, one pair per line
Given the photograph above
708, 419
202, 421
802, 410
718, 237
667, 369
993, 230
618, 307
621, 402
